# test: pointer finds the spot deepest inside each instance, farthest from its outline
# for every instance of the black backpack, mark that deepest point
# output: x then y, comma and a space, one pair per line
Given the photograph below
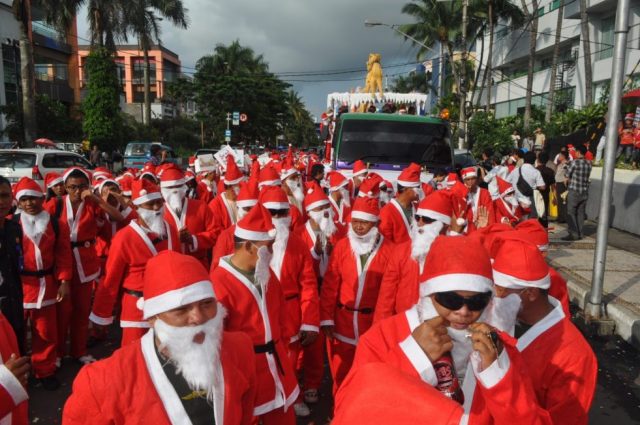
523, 186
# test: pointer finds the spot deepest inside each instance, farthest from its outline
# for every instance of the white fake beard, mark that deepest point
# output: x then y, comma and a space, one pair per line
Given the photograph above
280, 244
324, 220
296, 190
174, 197
262, 273
423, 237
197, 363
34, 226
502, 313
385, 198
154, 220
362, 245
346, 197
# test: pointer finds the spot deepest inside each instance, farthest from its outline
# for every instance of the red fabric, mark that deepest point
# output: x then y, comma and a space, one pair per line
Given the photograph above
54, 252
109, 230
44, 338
246, 313
201, 224
507, 214
276, 417
626, 135
340, 356
9, 346
483, 201
559, 291
311, 363
119, 389
393, 223
221, 217
224, 246
203, 193
73, 317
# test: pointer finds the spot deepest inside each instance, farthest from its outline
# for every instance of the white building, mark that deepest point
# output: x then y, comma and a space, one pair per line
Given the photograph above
511, 55
10, 59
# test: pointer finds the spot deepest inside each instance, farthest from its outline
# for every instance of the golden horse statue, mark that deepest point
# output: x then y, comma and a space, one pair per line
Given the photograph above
373, 81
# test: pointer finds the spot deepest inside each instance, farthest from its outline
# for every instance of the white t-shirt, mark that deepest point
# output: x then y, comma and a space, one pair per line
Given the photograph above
529, 173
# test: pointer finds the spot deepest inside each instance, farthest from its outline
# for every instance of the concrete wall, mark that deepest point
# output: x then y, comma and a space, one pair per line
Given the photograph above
625, 204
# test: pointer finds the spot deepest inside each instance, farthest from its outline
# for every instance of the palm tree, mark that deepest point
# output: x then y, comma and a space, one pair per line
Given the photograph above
554, 63
21, 11
233, 59
143, 20
532, 18
586, 45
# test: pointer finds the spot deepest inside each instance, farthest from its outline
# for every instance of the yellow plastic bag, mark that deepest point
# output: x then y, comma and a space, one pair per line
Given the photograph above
553, 204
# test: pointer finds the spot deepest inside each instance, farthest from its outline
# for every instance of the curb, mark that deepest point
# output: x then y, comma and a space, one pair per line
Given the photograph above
627, 321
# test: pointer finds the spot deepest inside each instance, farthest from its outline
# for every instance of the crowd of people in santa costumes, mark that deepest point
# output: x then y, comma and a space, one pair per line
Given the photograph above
232, 286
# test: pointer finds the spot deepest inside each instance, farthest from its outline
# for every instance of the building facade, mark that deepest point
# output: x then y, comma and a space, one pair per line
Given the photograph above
511, 55
165, 68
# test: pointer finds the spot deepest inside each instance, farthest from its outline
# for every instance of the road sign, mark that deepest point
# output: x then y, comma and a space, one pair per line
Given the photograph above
243, 117
236, 118
227, 133
227, 139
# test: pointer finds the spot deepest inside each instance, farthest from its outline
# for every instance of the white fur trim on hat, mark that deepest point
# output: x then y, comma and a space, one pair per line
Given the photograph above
288, 173
361, 215
250, 235
405, 183
65, 176
246, 203
276, 205
177, 298
233, 182
270, 183
54, 182
456, 282
147, 197
338, 187
171, 183
434, 215
357, 173
512, 282
317, 204
29, 192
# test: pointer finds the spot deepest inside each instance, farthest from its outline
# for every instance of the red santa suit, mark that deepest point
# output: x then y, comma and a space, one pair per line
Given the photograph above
224, 246
130, 387
13, 396
223, 212
394, 225
198, 219
341, 217
480, 198
505, 212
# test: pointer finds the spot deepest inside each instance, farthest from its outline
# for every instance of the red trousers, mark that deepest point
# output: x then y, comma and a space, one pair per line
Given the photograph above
341, 357
130, 335
310, 363
73, 317
277, 417
44, 338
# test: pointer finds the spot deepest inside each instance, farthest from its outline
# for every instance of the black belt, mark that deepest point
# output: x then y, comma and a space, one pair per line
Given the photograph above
291, 297
269, 347
137, 294
37, 273
156, 241
83, 244
365, 310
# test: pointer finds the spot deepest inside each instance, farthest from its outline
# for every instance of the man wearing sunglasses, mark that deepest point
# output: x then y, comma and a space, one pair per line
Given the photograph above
397, 215
449, 320
560, 362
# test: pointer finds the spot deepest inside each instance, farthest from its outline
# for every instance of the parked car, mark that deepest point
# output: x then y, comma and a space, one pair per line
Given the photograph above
36, 163
463, 159
138, 153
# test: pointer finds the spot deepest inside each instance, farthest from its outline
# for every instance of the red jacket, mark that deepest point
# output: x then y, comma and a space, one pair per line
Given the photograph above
48, 254
199, 220
262, 317
224, 246
130, 387
394, 225
482, 199
341, 217
110, 228
13, 396
130, 250
558, 290
507, 214
320, 262
224, 214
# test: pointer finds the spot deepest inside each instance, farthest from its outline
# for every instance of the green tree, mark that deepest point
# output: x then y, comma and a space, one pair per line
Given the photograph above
299, 128
531, 15
414, 82
101, 107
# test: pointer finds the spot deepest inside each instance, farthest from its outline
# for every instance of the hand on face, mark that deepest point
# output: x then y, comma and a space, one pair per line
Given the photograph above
433, 338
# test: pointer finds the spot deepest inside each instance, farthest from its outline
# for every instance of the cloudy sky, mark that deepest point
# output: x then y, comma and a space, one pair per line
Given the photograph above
326, 37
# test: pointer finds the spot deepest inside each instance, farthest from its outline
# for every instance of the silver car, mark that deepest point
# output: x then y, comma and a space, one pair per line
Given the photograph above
36, 163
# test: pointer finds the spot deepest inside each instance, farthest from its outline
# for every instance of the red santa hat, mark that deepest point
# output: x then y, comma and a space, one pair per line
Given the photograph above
367, 209
336, 181
468, 173
437, 206
410, 176
370, 187
504, 187
315, 198
256, 225
70, 170
233, 175
192, 161
173, 280
451, 179
189, 175
288, 168
125, 185
99, 184
274, 198
629, 116
101, 173
27, 187
172, 176
456, 263
144, 191
248, 195
254, 174
148, 170
519, 264
534, 232
359, 167
269, 176
51, 179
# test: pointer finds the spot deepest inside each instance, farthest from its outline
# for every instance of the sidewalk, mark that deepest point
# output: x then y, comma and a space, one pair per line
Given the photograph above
574, 260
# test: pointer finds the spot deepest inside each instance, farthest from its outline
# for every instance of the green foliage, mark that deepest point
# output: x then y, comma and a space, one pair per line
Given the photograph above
488, 132
414, 82
574, 120
102, 118
298, 127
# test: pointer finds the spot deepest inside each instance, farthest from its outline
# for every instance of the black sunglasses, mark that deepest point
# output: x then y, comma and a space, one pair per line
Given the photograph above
279, 213
426, 220
453, 301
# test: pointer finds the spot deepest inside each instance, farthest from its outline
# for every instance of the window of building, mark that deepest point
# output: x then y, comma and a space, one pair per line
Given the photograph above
138, 93
11, 68
605, 48
48, 69
540, 12
554, 5
138, 70
121, 71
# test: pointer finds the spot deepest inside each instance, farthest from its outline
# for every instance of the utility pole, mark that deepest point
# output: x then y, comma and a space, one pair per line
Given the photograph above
202, 133
463, 77
594, 307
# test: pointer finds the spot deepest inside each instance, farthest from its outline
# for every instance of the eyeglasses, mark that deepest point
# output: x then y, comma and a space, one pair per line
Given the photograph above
279, 213
423, 219
73, 187
453, 301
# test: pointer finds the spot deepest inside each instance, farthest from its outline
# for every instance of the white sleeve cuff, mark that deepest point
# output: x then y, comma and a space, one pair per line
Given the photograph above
327, 323
419, 360
12, 385
194, 244
100, 320
309, 328
453, 233
314, 254
492, 375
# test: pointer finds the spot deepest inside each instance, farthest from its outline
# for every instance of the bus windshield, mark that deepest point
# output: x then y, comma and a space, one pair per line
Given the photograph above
394, 142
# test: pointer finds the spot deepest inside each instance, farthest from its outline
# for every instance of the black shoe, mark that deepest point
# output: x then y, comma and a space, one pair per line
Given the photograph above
50, 383
569, 238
